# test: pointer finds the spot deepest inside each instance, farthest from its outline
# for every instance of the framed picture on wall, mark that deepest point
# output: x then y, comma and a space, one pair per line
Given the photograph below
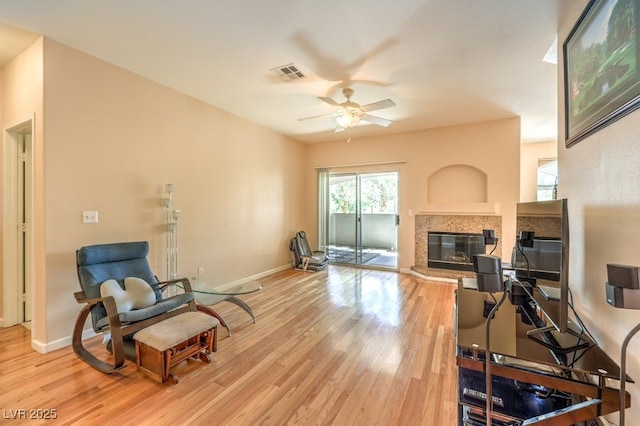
601, 67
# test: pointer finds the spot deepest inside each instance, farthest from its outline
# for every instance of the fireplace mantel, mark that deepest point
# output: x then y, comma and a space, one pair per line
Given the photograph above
461, 209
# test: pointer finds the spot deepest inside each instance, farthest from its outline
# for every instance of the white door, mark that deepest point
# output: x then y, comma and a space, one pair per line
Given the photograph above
17, 239
24, 226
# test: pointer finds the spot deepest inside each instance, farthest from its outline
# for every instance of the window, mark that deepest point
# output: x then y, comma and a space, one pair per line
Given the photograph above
378, 194
547, 179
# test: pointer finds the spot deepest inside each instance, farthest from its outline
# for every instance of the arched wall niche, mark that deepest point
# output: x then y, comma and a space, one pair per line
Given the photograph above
457, 183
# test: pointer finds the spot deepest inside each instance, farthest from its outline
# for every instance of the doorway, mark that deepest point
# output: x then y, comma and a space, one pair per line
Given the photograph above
362, 219
17, 221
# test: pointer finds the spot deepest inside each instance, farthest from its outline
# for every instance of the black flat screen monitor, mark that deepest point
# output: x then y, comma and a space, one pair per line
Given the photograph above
549, 256
542, 261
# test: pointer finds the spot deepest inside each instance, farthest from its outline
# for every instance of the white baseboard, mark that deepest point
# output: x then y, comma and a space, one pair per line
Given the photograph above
270, 271
44, 348
440, 279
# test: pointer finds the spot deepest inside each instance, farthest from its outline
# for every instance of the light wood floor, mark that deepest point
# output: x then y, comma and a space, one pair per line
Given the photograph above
343, 346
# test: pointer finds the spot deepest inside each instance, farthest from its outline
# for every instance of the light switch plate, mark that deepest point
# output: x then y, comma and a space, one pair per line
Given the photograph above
90, 216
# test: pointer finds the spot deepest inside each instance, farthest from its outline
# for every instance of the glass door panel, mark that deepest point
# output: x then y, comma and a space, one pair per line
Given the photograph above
363, 219
378, 209
343, 242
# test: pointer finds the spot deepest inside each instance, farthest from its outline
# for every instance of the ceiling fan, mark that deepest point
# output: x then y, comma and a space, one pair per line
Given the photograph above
349, 113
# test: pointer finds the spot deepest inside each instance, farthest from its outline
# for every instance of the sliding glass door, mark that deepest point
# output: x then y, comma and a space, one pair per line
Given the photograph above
361, 218
343, 243
379, 219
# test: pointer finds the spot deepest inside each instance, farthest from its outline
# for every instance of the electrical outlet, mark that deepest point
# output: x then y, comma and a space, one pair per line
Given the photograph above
90, 217
201, 270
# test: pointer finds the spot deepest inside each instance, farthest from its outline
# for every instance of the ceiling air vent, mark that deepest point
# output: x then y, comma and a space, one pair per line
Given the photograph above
288, 72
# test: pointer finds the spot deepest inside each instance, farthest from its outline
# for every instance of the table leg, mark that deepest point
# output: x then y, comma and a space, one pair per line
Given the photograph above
243, 305
209, 311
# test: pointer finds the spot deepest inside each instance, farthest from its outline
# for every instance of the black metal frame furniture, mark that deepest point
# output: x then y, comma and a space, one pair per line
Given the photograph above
531, 383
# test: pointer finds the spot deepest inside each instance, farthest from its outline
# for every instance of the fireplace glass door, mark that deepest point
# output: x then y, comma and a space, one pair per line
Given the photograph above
363, 219
454, 250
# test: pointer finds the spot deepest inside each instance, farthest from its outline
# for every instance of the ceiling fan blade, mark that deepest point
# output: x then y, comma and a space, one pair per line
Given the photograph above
376, 120
318, 116
387, 103
328, 100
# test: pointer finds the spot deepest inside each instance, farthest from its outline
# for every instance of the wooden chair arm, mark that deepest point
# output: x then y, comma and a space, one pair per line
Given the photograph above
185, 285
184, 282
109, 304
83, 299
114, 328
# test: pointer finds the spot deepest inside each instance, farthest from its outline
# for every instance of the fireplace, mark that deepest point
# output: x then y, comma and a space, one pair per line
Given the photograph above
453, 250
451, 224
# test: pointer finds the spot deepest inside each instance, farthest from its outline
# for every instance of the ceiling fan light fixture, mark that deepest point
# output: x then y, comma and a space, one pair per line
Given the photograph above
347, 119
348, 114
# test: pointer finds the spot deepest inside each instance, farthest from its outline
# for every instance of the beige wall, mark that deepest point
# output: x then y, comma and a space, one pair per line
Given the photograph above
491, 147
2, 98
112, 141
599, 176
22, 81
530, 154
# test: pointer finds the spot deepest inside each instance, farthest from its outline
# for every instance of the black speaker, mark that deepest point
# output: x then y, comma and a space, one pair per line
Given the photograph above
488, 271
487, 264
623, 276
517, 294
489, 236
622, 288
622, 297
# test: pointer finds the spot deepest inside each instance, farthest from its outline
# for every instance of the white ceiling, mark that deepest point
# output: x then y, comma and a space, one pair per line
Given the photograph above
443, 62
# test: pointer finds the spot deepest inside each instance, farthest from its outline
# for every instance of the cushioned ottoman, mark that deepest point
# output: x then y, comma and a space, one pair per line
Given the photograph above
161, 346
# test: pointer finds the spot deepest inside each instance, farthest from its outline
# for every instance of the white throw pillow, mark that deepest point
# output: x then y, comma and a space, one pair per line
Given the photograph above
137, 293
141, 292
112, 288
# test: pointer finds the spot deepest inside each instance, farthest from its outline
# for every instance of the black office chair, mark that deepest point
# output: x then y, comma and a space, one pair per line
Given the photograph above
303, 258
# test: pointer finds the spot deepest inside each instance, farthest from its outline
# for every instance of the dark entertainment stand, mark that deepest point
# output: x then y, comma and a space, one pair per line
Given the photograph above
549, 378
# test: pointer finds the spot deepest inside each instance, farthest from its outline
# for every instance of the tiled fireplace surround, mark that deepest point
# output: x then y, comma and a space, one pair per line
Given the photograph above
468, 223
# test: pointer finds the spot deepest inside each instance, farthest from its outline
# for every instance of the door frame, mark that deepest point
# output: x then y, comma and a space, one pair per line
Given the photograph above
357, 174
11, 261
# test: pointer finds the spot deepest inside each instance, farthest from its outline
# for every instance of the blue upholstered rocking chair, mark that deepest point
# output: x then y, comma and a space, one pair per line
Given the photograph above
120, 261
